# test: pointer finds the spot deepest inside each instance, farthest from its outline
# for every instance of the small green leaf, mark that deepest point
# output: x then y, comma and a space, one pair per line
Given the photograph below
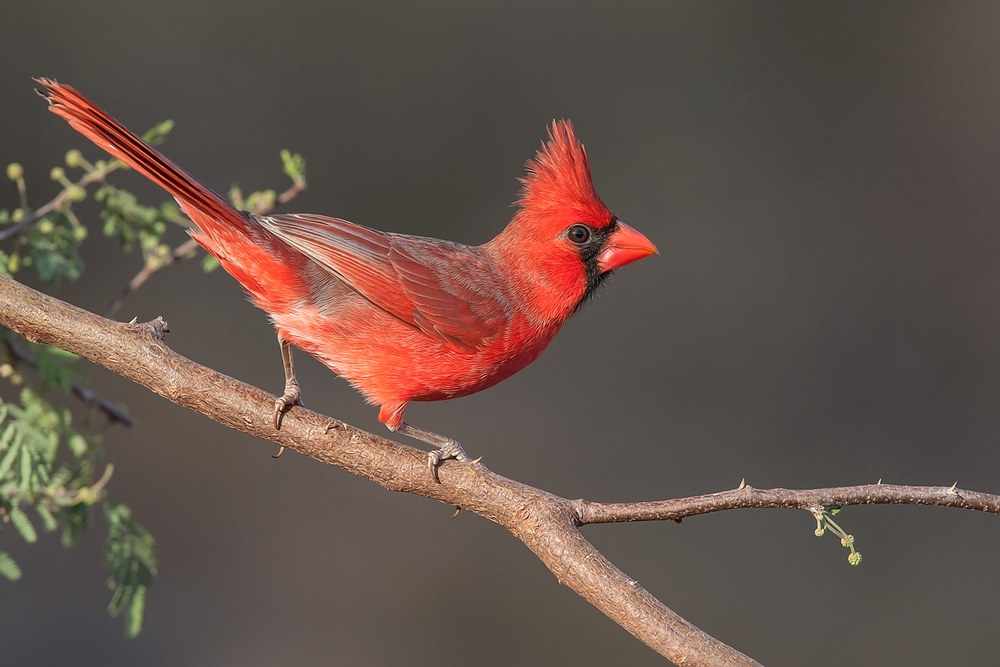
129, 553
7, 435
48, 521
294, 165
155, 135
8, 568
26, 468
135, 612
8, 460
77, 518
23, 524
78, 445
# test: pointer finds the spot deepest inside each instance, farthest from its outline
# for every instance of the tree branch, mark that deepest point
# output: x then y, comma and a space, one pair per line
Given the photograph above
812, 500
546, 523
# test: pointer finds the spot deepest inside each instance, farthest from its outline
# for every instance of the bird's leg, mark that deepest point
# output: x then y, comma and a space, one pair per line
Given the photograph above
292, 395
448, 448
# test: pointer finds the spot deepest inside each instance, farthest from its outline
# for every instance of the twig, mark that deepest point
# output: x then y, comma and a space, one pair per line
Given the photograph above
92, 176
867, 494
84, 393
184, 250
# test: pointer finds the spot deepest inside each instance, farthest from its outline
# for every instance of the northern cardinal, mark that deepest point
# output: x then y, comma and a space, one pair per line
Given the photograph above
402, 318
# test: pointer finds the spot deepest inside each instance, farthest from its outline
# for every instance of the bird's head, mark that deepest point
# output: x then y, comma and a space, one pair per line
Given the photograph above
563, 236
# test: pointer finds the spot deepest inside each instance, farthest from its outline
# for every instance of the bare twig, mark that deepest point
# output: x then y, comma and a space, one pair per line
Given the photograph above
83, 392
546, 523
185, 250
747, 496
182, 251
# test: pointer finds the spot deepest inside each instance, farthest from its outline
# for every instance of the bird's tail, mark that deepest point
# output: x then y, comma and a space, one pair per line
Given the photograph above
215, 216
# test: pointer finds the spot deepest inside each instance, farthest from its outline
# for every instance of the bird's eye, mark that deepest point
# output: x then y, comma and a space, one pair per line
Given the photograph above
578, 234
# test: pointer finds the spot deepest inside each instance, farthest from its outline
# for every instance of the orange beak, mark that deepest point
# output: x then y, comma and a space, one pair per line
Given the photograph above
623, 247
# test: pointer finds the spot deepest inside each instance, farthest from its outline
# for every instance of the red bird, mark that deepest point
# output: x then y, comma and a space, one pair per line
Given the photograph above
402, 318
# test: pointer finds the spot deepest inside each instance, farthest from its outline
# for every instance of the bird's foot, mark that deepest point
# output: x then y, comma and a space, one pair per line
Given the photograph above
450, 450
292, 396
447, 448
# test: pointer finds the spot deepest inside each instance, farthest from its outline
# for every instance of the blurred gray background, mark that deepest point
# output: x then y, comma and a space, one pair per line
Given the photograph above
821, 180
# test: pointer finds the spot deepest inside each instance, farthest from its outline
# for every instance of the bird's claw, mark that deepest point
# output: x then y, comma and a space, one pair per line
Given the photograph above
291, 396
450, 450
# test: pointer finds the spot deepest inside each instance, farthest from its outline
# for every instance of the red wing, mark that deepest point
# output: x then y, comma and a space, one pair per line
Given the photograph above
445, 289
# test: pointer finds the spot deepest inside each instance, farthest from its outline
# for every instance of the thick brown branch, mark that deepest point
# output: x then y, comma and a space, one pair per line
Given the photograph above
544, 522
813, 499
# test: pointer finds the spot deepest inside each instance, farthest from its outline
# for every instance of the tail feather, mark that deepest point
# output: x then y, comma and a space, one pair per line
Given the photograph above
213, 214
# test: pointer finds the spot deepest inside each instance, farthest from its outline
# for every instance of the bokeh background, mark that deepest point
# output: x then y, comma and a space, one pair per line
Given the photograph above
822, 182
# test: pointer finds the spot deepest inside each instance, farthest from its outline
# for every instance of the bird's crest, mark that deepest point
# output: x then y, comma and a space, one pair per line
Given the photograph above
558, 181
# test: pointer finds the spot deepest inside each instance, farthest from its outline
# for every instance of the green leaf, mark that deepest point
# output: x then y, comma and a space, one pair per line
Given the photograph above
294, 165
155, 135
52, 244
129, 553
7, 435
26, 468
8, 568
78, 445
23, 524
8, 460
77, 519
48, 521
136, 611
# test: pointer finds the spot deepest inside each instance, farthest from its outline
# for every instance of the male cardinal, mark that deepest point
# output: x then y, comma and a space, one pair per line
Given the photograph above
402, 318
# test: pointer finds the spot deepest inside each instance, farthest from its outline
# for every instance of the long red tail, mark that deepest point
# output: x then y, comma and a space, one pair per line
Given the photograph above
214, 215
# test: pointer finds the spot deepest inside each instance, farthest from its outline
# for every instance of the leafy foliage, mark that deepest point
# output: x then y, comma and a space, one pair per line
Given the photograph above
129, 554
47, 465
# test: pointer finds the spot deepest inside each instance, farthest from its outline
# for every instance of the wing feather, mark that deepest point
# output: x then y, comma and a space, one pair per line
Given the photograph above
447, 290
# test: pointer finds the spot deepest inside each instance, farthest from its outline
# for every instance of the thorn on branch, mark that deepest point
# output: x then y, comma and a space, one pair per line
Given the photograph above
157, 328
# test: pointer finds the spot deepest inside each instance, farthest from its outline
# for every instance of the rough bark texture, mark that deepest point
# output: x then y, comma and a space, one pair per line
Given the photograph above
547, 524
